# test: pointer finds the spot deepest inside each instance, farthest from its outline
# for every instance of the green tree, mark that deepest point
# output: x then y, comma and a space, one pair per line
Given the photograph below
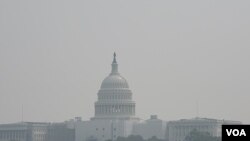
129, 138
200, 136
154, 138
134, 138
121, 139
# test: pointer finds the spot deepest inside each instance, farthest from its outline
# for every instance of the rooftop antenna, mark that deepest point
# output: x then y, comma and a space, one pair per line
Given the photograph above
22, 112
197, 108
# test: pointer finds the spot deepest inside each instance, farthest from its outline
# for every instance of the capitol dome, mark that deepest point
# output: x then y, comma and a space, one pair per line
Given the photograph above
114, 97
114, 81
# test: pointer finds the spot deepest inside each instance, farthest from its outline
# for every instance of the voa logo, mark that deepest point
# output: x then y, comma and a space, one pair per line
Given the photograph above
236, 132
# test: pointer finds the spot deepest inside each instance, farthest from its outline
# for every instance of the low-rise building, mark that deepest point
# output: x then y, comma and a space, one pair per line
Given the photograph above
150, 128
178, 130
60, 132
24, 131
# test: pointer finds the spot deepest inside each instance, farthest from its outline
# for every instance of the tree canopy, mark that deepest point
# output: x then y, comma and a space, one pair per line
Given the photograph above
136, 138
200, 136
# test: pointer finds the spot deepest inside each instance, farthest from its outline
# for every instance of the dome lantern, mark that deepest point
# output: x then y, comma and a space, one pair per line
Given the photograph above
114, 66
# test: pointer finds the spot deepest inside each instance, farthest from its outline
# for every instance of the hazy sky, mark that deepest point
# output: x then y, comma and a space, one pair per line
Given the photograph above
54, 55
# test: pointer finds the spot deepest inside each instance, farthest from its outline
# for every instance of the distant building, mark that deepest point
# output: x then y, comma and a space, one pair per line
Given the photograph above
114, 98
25, 131
151, 127
60, 132
114, 110
178, 130
36, 131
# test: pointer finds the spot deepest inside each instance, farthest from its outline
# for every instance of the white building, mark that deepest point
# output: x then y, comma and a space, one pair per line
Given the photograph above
24, 131
151, 127
114, 110
178, 130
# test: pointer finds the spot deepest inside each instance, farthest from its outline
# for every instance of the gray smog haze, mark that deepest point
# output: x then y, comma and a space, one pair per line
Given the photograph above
182, 59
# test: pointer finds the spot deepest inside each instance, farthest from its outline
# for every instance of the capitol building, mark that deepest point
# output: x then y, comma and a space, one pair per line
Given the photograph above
115, 98
114, 110
115, 116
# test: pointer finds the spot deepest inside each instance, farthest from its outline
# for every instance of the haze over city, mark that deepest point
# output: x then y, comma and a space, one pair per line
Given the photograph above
182, 59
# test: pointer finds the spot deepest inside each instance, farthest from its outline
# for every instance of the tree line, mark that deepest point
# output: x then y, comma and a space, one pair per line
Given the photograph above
194, 135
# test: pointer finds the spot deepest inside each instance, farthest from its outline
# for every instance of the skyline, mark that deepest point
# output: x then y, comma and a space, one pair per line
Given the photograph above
55, 54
